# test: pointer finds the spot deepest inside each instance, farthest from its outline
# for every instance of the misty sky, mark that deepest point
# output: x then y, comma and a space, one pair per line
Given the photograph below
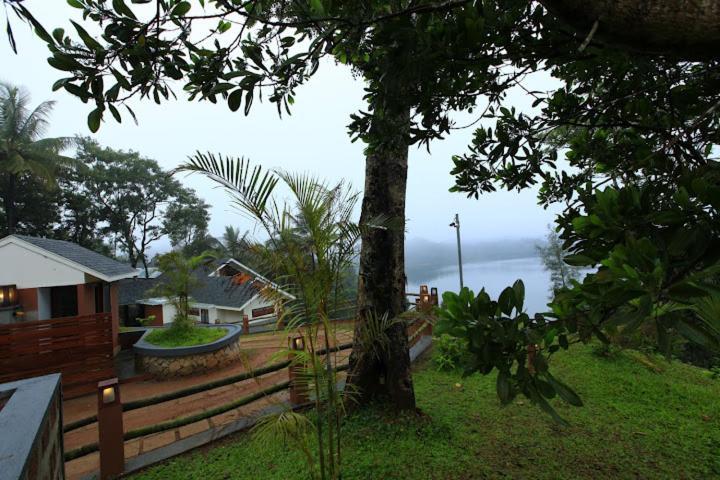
313, 139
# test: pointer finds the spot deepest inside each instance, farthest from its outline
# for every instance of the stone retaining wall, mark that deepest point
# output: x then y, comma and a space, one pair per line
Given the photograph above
168, 367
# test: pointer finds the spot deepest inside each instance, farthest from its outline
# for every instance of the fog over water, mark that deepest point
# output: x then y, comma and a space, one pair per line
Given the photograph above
489, 265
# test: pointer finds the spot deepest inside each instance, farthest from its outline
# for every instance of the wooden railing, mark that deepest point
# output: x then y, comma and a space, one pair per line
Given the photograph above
80, 348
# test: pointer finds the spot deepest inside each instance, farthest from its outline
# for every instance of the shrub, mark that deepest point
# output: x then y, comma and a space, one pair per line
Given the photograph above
449, 351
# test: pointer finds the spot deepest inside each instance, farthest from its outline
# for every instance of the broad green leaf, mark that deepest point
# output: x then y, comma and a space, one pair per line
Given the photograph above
579, 260
115, 112
94, 119
503, 387
87, 39
123, 9
506, 301
565, 392
519, 288
316, 6
235, 99
181, 9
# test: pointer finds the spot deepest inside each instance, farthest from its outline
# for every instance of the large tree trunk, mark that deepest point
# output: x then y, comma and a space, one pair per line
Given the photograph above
382, 264
689, 29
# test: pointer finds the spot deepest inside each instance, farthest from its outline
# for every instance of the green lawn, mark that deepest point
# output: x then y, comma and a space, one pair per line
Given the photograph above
637, 422
173, 337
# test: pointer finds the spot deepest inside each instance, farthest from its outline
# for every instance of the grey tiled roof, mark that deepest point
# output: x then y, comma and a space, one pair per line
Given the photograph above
220, 291
85, 257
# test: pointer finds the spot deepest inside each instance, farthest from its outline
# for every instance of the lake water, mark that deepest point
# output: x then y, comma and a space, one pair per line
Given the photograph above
494, 276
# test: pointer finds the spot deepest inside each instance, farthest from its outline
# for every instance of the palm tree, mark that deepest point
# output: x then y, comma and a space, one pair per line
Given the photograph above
23, 151
235, 243
321, 215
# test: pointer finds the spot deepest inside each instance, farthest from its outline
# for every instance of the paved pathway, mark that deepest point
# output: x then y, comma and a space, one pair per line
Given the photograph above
261, 350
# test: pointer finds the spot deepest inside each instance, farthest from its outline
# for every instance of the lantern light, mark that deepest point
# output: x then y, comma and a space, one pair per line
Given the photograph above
108, 391
296, 342
108, 395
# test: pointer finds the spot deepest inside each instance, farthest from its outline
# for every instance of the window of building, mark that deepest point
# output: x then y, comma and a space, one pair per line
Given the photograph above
263, 311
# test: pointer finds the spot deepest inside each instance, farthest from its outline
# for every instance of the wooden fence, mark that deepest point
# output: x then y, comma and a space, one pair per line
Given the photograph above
80, 348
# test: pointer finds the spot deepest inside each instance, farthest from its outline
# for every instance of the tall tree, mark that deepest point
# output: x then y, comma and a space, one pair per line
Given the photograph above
38, 207
186, 219
82, 217
553, 257
134, 193
419, 60
235, 242
23, 151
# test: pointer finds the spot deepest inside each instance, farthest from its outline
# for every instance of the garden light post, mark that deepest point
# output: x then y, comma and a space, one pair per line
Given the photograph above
298, 388
456, 224
110, 429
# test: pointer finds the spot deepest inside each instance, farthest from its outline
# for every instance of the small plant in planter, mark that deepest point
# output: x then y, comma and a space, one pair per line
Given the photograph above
178, 280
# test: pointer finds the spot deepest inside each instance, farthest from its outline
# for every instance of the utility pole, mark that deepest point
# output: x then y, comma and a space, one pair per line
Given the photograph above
456, 224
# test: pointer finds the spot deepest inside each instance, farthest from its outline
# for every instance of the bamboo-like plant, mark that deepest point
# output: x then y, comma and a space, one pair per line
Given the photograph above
313, 240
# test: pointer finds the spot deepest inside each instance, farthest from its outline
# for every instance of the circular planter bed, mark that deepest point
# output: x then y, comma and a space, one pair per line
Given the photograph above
169, 362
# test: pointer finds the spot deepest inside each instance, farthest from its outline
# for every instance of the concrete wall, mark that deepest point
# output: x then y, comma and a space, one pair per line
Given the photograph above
28, 269
31, 442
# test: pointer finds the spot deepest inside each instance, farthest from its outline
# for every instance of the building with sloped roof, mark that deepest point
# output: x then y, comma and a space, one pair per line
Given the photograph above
42, 279
215, 299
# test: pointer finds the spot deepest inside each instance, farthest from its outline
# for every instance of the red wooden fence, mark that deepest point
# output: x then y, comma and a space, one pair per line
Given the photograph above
80, 348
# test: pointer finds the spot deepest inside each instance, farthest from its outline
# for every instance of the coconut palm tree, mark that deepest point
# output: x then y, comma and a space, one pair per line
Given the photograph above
23, 150
234, 242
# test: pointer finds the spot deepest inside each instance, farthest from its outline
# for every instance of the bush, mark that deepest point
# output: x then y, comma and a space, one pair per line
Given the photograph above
450, 351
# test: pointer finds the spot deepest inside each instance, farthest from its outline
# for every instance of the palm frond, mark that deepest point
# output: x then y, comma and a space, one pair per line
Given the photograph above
251, 187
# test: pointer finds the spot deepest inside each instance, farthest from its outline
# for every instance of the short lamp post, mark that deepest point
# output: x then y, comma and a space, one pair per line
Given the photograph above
110, 426
298, 386
424, 298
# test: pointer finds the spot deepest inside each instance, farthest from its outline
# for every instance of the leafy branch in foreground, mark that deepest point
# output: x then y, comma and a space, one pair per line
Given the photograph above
499, 335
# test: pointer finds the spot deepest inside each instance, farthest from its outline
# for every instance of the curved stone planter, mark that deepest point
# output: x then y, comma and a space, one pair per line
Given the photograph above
162, 362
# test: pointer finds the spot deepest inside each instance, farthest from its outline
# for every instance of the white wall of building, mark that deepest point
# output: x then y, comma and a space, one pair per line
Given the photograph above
43, 296
229, 316
28, 269
258, 302
168, 313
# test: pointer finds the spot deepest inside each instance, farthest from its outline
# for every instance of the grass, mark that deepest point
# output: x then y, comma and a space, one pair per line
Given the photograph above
173, 337
643, 418
124, 329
